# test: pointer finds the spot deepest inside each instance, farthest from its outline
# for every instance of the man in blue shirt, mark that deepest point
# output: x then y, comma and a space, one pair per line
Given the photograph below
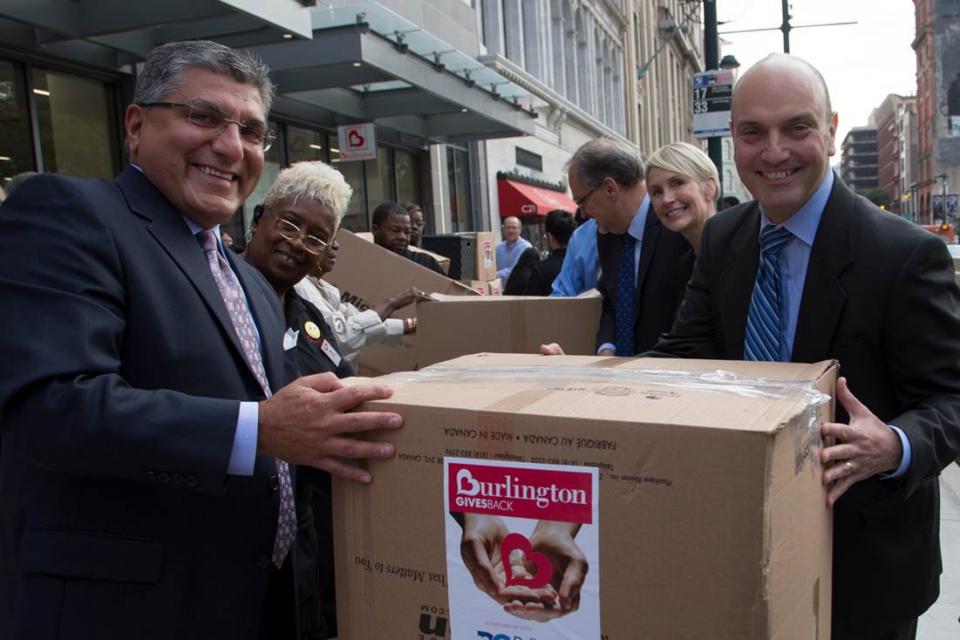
508, 251
810, 271
580, 266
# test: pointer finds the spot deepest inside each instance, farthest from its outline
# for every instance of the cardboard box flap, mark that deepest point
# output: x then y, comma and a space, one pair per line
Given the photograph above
761, 397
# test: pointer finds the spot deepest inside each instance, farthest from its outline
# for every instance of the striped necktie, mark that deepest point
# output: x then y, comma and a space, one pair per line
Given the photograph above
243, 324
765, 317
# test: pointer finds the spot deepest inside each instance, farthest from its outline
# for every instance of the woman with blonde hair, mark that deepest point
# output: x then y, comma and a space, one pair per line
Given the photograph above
683, 186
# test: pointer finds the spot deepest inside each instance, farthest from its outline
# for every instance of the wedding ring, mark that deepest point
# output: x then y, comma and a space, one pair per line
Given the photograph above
849, 467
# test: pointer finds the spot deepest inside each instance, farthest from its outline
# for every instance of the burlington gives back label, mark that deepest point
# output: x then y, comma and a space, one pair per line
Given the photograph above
522, 550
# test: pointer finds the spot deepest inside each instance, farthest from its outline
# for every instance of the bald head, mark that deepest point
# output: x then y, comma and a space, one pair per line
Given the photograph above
788, 66
783, 133
511, 229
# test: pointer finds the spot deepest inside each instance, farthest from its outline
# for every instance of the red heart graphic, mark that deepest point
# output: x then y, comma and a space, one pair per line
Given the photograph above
544, 571
354, 139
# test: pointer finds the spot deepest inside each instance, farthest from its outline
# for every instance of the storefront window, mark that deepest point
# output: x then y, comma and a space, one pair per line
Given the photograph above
380, 181
305, 144
458, 183
356, 218
16, 155
76, 123
408, 177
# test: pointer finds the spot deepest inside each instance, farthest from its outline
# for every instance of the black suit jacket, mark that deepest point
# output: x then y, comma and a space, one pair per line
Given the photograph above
880, 297
666, 262
117, 516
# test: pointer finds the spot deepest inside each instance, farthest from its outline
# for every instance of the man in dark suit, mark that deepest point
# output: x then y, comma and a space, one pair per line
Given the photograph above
811, 271
144, 477
644, 267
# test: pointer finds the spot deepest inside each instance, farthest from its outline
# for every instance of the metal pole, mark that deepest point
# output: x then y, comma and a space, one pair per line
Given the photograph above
943, 197
711, 55
785, 27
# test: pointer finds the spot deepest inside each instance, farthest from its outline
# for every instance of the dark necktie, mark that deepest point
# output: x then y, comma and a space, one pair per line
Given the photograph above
243, 324
626, 296
765, 319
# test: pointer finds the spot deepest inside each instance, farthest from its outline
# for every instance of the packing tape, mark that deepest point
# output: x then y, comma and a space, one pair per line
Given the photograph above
607, 371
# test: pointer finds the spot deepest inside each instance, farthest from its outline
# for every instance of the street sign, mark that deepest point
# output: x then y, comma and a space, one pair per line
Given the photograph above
357, 142
711, 103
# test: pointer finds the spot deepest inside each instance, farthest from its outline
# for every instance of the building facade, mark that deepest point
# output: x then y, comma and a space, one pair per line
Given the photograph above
858, 163
937, 46
457, 92
620, 69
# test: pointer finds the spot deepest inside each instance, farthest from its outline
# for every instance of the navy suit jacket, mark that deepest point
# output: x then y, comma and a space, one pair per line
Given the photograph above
118, 407
666, 261
880, 297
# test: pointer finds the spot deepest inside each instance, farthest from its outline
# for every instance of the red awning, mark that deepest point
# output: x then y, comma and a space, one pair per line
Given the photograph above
518, 199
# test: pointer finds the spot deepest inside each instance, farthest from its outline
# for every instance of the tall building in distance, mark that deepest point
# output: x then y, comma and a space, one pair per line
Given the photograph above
937, 45
894, 146
858, 164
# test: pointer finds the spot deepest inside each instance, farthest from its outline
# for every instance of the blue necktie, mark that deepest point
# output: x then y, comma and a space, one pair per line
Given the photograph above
626, 293
765, 318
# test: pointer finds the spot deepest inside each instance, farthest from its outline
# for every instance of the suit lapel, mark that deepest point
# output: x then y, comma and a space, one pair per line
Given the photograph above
738, 273
651, 234
823, 294
167, 226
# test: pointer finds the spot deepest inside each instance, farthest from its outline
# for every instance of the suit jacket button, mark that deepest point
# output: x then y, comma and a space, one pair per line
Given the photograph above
275, 482
163, 477
191, 481
263, 562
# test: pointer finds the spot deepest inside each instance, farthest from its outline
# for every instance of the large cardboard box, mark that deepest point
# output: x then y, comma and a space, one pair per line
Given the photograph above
712, 518
449, 328
367, 274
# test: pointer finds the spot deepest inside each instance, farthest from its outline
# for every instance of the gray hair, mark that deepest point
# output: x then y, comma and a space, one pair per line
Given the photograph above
162, 72
685, 159
311, 180
606, 158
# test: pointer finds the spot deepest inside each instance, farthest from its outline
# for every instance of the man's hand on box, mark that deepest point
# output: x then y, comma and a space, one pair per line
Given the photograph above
864, 448
562, 596
552, 349
311, 422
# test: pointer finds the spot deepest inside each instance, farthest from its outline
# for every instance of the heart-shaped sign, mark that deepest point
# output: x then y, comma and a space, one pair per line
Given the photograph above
354, 139
544, 571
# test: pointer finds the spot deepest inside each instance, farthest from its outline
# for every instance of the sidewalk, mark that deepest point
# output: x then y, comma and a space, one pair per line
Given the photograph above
940, 622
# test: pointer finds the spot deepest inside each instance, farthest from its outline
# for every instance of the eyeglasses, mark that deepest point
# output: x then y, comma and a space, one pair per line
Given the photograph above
579, 201
204, 117
290, 231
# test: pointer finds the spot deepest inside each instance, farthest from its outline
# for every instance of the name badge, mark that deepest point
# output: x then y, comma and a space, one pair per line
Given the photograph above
331, 353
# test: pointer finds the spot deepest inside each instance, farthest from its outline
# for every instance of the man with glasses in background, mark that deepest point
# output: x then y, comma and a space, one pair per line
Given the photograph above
644, 267
148, 435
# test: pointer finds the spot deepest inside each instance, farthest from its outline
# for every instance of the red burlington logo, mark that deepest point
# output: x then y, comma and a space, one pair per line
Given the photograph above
521, 492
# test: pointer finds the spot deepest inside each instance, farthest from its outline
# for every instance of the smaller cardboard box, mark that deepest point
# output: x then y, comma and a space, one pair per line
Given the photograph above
443, 261
495, 286
367, 274
486, 256
480, 286
453, 326
709, 519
